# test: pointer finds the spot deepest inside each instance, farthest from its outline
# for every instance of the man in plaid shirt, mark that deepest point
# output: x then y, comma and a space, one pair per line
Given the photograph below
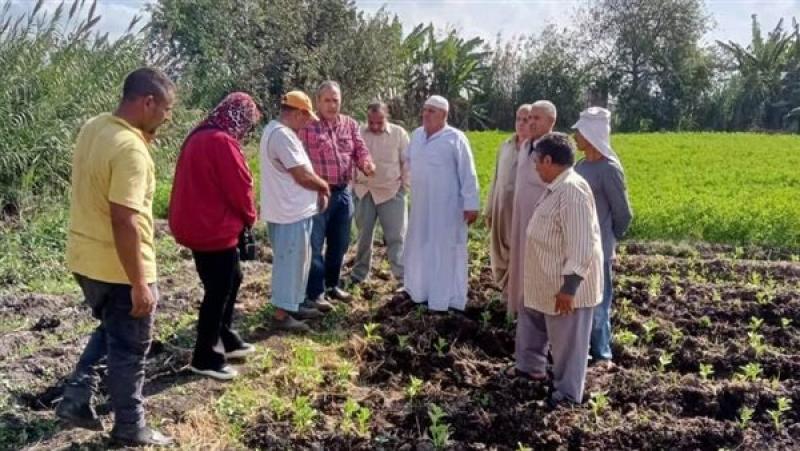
335, 146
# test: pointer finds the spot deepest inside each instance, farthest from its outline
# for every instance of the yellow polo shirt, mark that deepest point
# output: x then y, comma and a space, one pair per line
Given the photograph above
111, 163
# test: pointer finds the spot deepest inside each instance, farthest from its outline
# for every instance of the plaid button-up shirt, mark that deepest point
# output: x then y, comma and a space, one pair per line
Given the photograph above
333, 148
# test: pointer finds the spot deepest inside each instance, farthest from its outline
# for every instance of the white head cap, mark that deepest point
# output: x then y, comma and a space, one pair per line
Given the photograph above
438, 102
595, 125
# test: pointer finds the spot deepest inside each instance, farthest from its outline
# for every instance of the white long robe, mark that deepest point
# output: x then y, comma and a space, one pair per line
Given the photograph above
443, 186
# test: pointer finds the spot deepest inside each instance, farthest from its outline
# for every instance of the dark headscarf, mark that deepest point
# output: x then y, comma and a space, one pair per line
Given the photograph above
236, 115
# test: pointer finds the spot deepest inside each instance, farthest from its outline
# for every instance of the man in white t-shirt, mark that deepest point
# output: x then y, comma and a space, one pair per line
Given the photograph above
291, 194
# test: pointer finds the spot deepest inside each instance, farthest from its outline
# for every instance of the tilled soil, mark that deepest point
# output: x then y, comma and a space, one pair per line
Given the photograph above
461, 359
676, 307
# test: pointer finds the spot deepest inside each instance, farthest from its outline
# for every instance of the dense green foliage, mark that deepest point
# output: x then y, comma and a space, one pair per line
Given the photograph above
725, 188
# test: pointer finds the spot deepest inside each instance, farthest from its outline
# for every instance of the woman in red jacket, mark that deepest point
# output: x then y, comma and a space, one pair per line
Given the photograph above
210, 206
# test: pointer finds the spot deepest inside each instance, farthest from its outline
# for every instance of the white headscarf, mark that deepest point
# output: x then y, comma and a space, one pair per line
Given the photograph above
595, 125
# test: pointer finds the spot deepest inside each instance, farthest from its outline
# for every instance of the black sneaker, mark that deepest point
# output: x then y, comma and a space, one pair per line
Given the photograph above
290, 324
242, 350
223, 373
80, 414
141, 437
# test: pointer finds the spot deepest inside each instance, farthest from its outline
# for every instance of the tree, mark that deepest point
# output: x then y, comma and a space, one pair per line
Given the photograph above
452, 67
767, 78
553, 70
267, 47
647, 53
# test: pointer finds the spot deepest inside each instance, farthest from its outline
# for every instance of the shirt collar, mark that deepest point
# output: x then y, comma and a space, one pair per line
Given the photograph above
385, 130
559, 180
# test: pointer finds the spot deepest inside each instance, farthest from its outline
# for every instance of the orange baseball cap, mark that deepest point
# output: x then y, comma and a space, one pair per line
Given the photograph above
299, 100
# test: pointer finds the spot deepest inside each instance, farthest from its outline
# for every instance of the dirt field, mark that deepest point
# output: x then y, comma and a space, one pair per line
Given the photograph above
701, 340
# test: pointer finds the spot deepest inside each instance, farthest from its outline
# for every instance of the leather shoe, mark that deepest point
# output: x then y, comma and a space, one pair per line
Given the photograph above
140, 437
79, 414
339, 294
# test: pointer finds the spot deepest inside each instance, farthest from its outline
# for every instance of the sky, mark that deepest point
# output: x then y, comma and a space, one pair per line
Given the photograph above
487, 18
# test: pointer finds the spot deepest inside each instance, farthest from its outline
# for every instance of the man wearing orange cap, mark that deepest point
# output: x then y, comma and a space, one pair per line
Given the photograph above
291, 194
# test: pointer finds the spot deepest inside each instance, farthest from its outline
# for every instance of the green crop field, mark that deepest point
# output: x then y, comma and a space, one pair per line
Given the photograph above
729, 188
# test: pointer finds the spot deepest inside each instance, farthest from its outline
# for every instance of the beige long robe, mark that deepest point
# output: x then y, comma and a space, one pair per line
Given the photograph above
498, 210
528, 188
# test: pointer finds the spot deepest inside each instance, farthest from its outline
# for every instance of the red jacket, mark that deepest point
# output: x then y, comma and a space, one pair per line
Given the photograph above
212, 194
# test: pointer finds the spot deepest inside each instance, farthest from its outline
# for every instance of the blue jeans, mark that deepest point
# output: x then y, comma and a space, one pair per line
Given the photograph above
123, 341
331, 230
291, 256
600, 348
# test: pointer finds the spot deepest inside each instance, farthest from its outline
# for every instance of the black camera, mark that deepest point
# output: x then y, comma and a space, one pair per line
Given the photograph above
247, 245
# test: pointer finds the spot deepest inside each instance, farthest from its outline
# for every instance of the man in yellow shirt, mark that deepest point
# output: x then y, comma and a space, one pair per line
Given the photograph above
110, 249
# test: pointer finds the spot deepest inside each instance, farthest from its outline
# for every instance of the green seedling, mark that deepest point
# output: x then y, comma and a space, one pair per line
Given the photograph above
745, 415
278, 406
676, 337
756, 342
755, 279
705, 322
650, 327
784, 405
303, 414
654, 285
439, 430
762, 298
371, 330
486, 318
362, 420
440, 346
349, 409
521, 447
402, 341
785, 323
750, 372
755, 324
345, 372
598, 402
625, 337
414, 388
664, 360
706, 370
716, 296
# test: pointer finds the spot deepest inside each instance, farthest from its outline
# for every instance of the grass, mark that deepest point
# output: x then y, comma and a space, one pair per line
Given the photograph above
737, 188
733, 188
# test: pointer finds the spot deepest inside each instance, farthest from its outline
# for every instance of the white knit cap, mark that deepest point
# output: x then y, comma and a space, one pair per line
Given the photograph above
595, 125
438, 102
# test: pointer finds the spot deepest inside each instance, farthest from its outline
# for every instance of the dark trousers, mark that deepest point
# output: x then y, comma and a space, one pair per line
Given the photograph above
123, 341
331, 229
221, 276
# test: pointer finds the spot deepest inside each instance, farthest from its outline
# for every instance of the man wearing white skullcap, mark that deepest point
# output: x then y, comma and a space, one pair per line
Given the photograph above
444, 201
603, 170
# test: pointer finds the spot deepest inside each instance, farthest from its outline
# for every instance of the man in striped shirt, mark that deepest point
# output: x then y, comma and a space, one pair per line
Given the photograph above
563, 272
335, 148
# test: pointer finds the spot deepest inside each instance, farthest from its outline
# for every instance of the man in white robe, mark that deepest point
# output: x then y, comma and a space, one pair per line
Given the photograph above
444, 201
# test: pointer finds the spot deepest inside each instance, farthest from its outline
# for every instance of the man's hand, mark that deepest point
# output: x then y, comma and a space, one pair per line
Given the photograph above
470, 216
322, 201
142, 300
369, 169
565, 303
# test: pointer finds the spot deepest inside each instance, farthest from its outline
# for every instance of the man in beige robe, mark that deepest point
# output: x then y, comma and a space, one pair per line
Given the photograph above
500, 202
527, 191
